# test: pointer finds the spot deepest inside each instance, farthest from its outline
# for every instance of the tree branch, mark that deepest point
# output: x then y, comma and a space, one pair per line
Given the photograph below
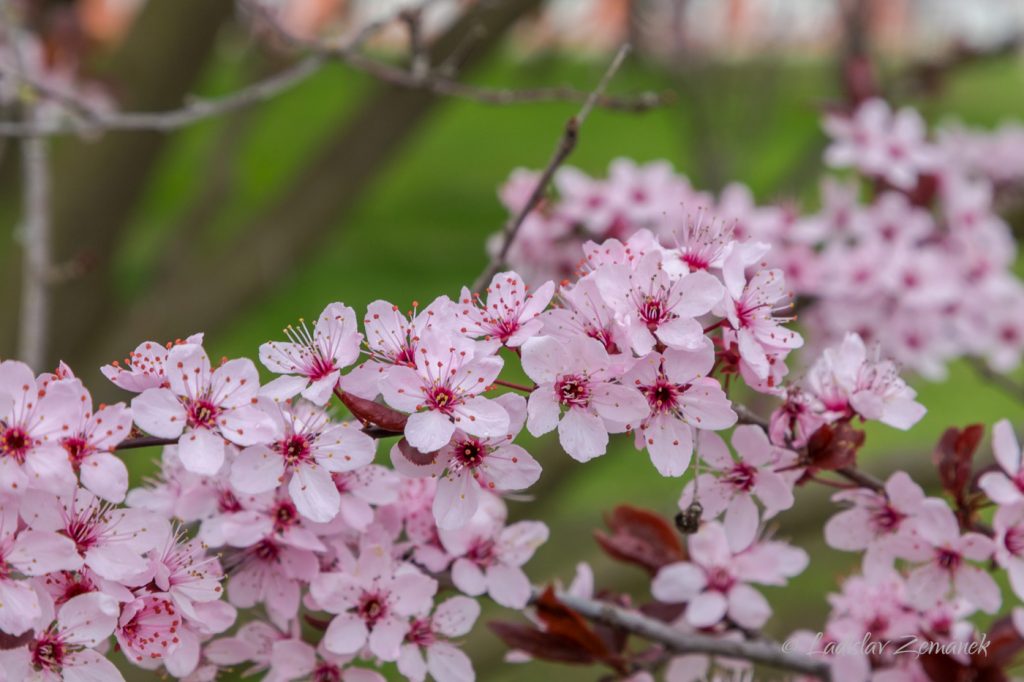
566, 145
86, 119
756, 651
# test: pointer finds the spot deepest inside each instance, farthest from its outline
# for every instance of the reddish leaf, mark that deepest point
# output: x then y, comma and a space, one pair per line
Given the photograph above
561, 621
415, 456
11, 642
372, 412
954, 455
834, 446
987, 664
640, 537
542, 645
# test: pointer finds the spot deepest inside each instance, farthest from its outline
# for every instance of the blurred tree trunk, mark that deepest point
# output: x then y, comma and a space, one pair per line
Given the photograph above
98, 184
196, 294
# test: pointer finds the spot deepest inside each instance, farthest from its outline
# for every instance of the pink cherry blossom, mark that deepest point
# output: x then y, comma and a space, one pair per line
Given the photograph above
145, 366
714, 582
1006, 486
443, 392
880, 142
429, 635
878, 522
32, 419
655, 308
509, 314
305, 448
468, 465
182, 569
732, 484
312, 360
203, 407
392, 339
148, 628
682, 399
111, 541
67, 650
847, 382
360, 489
584, 312
31, 553
1009, 543
374, 603
579, 377
489, 555
90, 442
752, 309
942, 555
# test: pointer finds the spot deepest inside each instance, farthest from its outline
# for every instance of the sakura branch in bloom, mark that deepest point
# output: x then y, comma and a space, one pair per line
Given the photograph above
273, 540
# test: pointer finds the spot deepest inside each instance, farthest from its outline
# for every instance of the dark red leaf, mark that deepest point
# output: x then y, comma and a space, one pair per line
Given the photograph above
542, 645
11, 642
561, 621
415, 456
834, 446
640, 537
372, 412
954, 455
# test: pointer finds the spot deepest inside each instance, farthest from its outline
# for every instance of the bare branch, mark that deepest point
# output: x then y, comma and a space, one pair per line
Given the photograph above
565, 147
760, 651
439, 83
87, 119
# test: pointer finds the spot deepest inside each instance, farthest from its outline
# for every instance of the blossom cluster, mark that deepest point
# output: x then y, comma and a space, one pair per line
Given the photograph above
269, 503
911, 253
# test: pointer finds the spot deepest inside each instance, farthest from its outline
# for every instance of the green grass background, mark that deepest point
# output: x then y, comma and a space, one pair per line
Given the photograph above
419, 232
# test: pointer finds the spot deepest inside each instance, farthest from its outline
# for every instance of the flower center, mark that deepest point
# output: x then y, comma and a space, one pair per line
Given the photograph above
227, 502
372, 607
948, 559
742, 476
573, 390
719, 579
663, 396
294, 449
421, 633
266, 550
442, 399
77, 449
653, 311
326, 672
1014, 540
14, 442
886, 518
470, 453
48, 653
285, 516
202, 414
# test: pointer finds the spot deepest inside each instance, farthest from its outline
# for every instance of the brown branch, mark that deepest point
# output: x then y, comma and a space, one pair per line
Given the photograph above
565, 147
764, 652
438, 81
1000, 381
87, 119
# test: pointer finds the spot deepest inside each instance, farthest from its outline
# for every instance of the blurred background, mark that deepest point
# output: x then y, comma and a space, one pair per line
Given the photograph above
348, 188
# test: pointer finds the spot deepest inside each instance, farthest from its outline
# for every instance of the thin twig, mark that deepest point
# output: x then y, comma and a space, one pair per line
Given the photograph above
88, 119
1000, 381
565, 147
764, 652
